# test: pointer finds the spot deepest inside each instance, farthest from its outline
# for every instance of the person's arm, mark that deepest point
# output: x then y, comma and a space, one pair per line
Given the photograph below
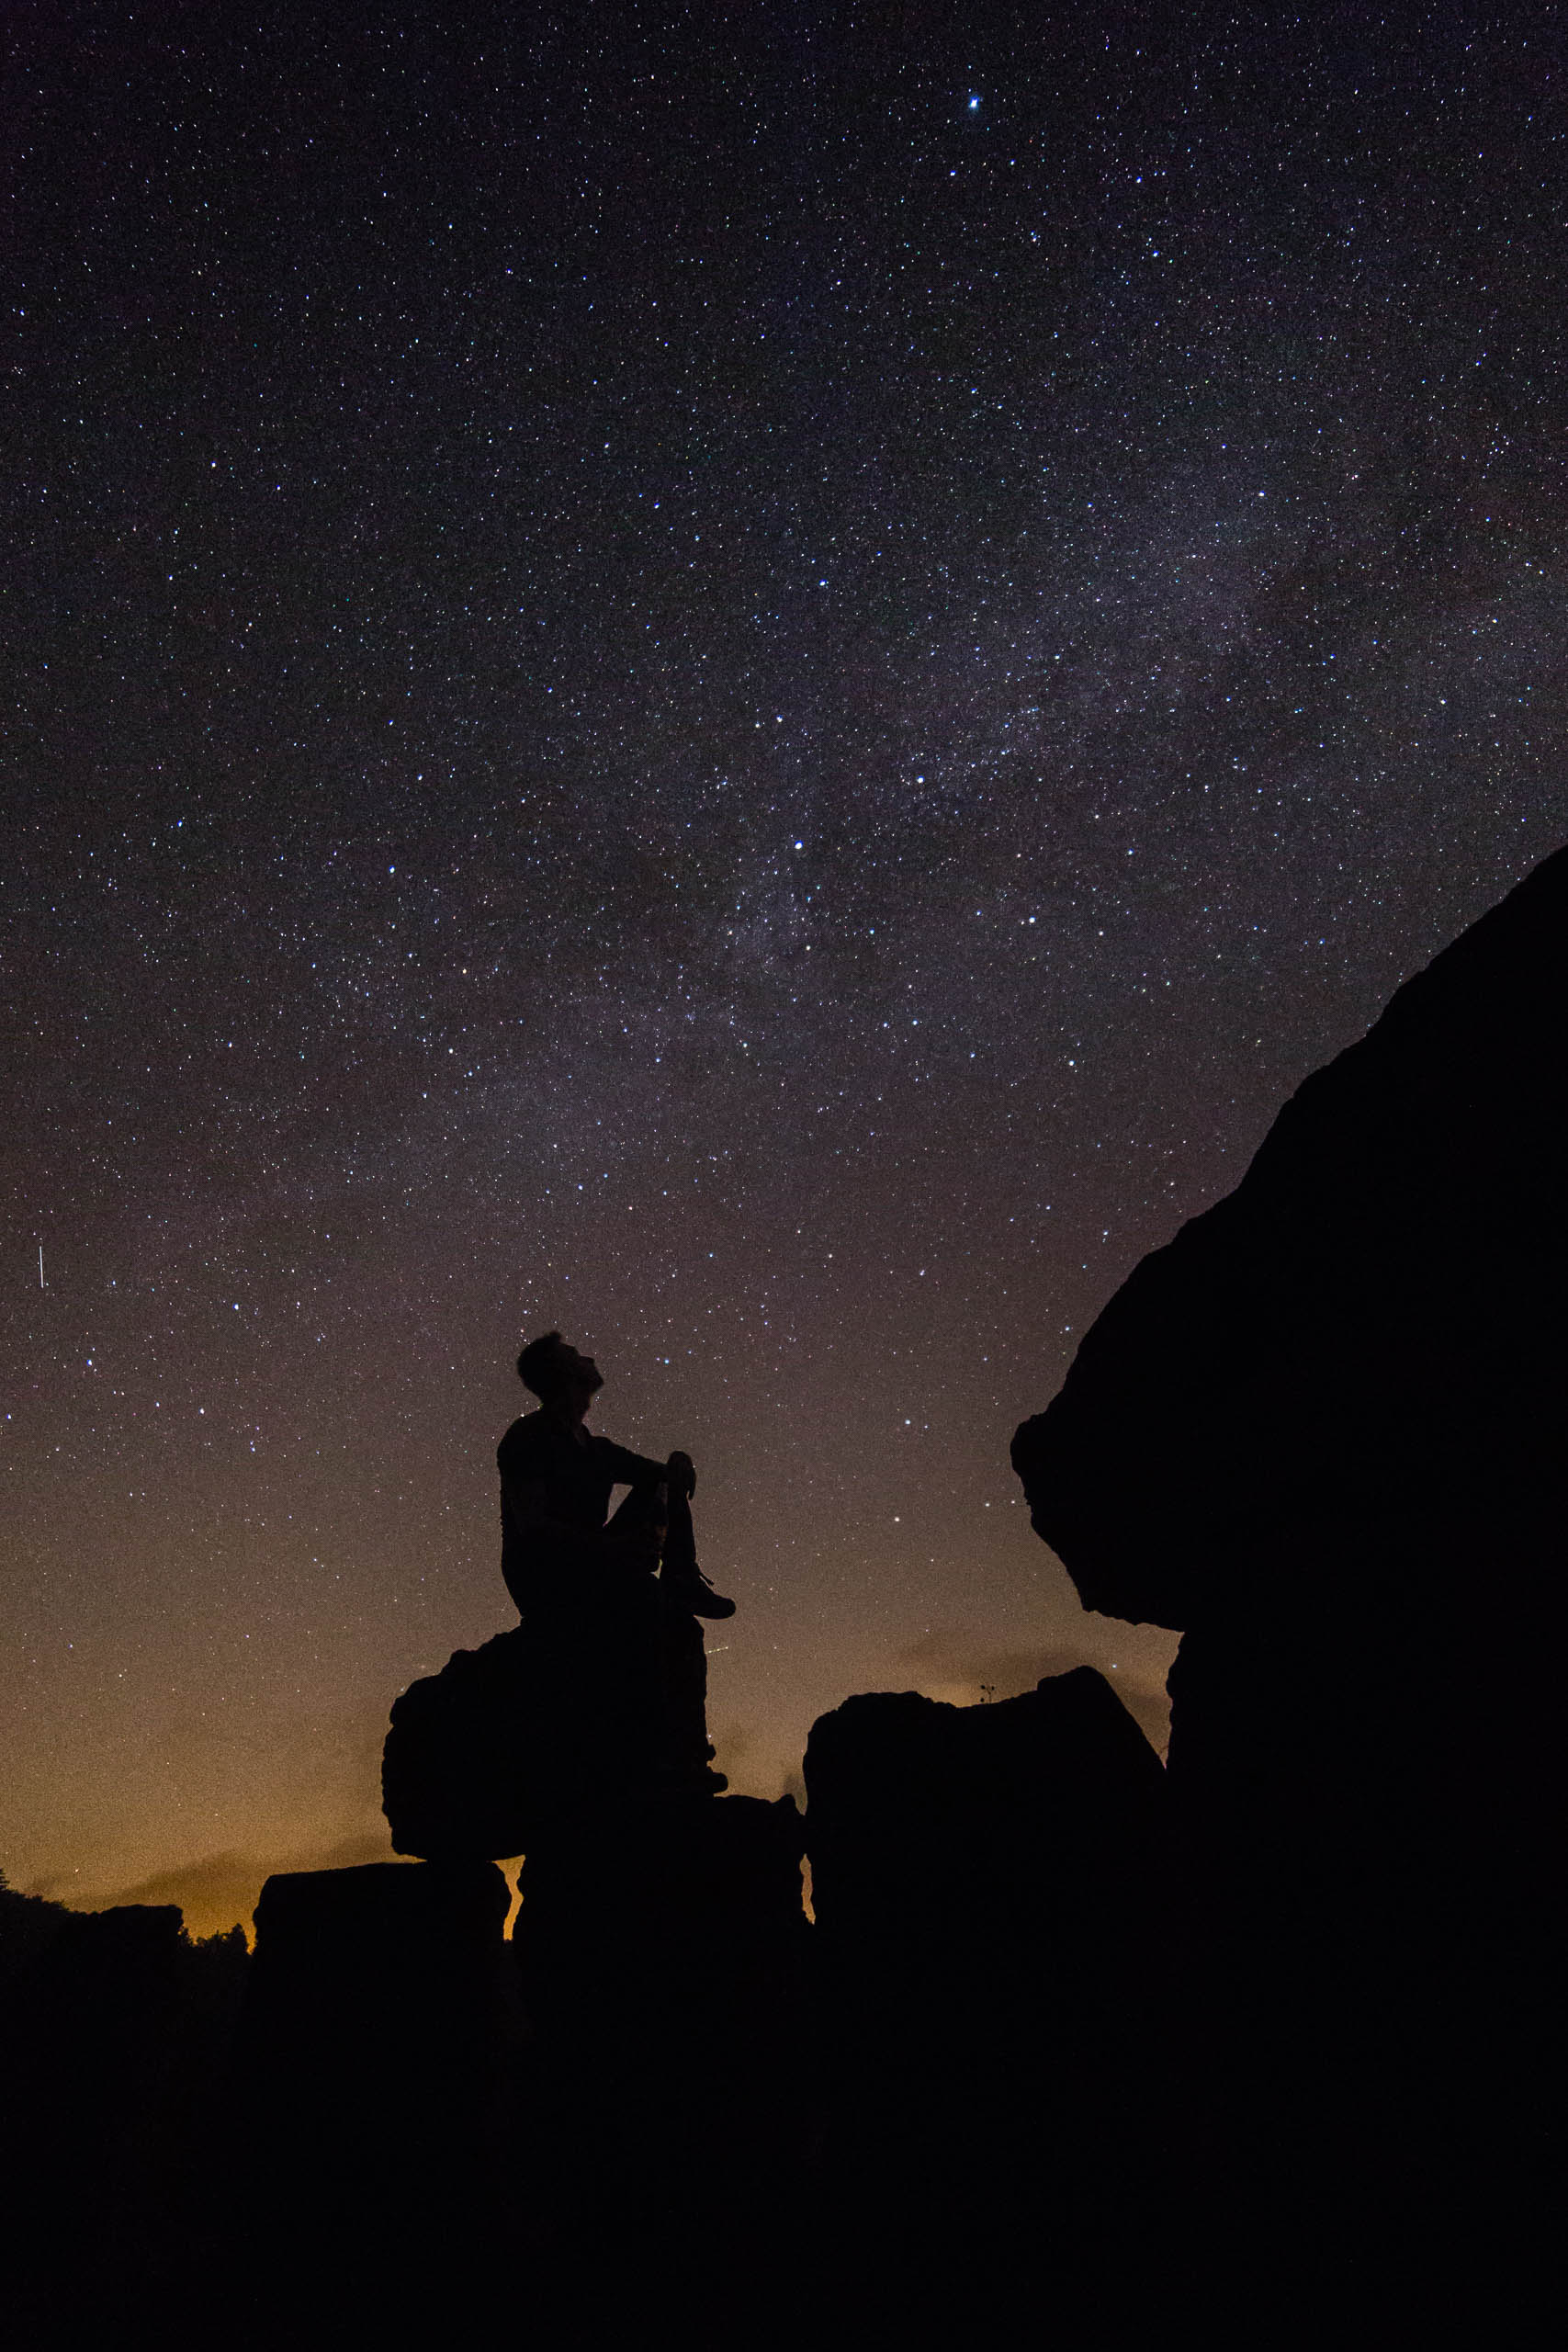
630, 1469
626, 1468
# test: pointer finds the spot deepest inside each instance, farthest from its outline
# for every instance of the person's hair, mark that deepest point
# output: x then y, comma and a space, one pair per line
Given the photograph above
535, 1365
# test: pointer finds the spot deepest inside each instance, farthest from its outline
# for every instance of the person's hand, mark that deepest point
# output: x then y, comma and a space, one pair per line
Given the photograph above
682, 1475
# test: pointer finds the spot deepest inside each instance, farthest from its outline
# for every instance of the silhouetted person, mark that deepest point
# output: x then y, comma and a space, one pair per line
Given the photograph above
556, 1480
576, 1579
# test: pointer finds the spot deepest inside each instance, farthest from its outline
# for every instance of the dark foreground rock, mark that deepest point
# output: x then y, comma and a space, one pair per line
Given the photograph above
1370, 1325
381, 2003
372, 2098
664, 1954
484, 1759
985, 1885
1323, 1432
114, 2030
461, 1764
525, 2132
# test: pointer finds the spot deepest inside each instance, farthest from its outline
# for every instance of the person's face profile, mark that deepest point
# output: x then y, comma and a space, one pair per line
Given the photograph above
580, 1377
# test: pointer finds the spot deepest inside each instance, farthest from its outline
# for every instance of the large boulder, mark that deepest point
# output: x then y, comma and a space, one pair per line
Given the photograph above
986, 1886
114, 2028
371, 2109
1371, 1323
664, 1952
386, 1981
462, 1762
508, 1741
1323, 1432
379, 2019
1007, 1847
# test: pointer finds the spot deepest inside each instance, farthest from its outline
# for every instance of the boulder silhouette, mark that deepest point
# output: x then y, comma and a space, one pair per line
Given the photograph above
1010, 1842
114, 2032
463, 1762
664, 1954
483, 1759
384, 1986
986, 1886
1369, 1324
1323, 1432
371, 2105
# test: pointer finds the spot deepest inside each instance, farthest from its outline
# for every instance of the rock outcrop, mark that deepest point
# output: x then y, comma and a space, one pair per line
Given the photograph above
664, 1954
1013, 1842
986, 1886
1370, 1325
461, 1764
508, 1740
114, 2031
371, 2109
379, 1997
1323, 1432
651, 1934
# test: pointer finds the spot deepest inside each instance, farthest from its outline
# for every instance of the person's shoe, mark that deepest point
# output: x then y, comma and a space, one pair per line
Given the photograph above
693, 1591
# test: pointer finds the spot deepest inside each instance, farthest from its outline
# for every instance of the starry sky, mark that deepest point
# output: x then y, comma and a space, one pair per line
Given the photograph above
750, 679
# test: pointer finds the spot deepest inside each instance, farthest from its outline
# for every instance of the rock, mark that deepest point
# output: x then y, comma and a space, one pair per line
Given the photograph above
371, 2109
389, 1969
644, 1926
460, 1764
985, 1882
949, 1844
114, 2029
1323, 1432
1370, 1323
664, 1952
380, 2018
484, 1757
692, 1902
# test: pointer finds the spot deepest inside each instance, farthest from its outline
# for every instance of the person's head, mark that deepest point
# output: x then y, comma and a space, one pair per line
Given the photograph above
557, 1375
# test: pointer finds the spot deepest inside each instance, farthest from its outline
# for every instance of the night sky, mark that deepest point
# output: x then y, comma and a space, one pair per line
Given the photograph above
753, 680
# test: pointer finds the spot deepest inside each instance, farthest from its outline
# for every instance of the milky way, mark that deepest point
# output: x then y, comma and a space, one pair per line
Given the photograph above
754, 682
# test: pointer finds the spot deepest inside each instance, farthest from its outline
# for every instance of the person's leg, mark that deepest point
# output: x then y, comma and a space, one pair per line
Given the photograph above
652, 1645
680, 1544
680, 1577
641, 1507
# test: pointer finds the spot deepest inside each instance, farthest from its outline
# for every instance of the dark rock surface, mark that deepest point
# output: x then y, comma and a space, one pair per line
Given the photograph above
385, 1983
670, 2097
483, 1759
1323, 1432
649, 1934
114, 2030
461, 1767
1371, 1323
372, 2099
985, 1885
940, 1834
